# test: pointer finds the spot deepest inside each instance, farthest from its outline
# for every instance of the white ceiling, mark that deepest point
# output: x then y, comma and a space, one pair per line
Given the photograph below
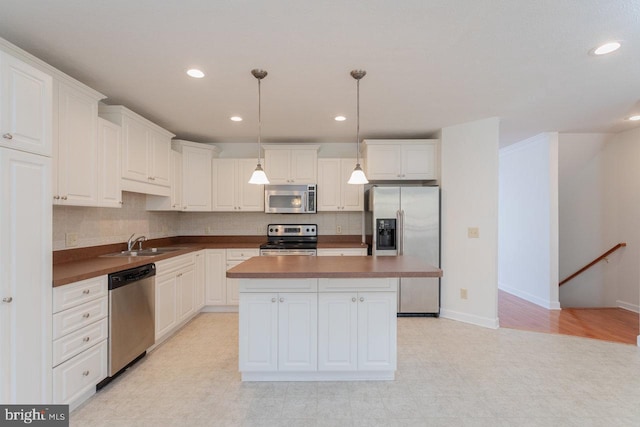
430, 63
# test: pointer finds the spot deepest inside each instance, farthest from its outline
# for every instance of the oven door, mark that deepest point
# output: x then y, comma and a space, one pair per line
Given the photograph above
278, 252
278, 201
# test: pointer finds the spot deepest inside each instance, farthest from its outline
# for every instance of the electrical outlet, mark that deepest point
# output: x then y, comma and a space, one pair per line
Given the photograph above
71, 239
208, 230
339, 229
463, 293
473, 233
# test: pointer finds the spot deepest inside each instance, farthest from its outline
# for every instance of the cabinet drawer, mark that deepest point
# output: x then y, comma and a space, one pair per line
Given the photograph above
361, 284
242, 254
278, 285
343, 252
176, 263
68, 346
79, 374
75, 318
77, 293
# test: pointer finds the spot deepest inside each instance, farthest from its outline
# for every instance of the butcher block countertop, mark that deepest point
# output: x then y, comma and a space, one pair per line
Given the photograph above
296, 267
73, 265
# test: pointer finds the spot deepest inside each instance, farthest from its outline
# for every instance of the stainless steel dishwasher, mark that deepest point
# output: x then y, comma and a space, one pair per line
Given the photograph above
131, 317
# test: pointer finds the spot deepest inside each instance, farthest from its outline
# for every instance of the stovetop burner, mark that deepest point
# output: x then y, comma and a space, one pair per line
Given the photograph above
291, 236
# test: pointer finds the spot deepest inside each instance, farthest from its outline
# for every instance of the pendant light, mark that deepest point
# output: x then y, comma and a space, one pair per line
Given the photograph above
358, 176
258, 176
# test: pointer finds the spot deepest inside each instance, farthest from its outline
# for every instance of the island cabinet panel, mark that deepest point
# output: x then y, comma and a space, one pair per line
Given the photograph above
377, 329
258, 343
337, 331
297, 332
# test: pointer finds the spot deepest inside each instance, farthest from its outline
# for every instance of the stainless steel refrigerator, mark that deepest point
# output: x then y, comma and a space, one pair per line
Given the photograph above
406, 221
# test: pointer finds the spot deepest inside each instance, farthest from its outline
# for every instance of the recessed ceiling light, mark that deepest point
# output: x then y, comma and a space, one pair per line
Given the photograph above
634, 118
236, 119
195, 73
606, 48
340, 118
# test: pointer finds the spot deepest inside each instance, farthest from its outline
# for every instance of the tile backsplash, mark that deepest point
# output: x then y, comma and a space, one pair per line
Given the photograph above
101, 226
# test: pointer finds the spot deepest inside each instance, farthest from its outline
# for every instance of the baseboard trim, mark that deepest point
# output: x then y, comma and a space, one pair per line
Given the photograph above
485, 322
549, 305
628, 306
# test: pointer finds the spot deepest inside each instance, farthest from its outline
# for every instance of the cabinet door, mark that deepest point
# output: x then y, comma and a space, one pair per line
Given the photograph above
233, 285
377, 331
303, 166
216, 280
329, 184
250, 197
297, 331
134, 150
25, 107
258, 343
77, 153
166, 313
109, 162
419, 161
160, 159
200, 286
383, 162
186, 288
352, 195
337, 331
25, 278
276, 166
224, 185
196, 179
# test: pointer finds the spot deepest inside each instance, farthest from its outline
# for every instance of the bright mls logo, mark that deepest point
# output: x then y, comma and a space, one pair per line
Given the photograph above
37, 415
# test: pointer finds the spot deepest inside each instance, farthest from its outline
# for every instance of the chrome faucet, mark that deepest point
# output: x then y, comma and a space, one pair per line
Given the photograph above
131, 242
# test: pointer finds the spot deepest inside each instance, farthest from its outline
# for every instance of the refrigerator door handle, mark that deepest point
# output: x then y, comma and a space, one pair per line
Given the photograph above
400, 230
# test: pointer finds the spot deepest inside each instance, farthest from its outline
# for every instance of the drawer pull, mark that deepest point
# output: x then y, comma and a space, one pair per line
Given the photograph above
86, 291
273, 300
7, 136
85, 373
361, 299
7, 299
86, 339
353, 299
281, 299
86, 315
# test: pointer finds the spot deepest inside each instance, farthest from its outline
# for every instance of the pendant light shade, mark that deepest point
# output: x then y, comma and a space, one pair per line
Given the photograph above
258, 176
358, 176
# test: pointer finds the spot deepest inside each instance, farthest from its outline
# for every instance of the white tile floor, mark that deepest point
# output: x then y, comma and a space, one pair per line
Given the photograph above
449, 374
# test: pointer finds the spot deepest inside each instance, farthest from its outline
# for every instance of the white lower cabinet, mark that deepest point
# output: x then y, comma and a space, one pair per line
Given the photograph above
80, 332
278, 331
222, 291
200, 279
235, 257
331, 329
343, 252
175, 294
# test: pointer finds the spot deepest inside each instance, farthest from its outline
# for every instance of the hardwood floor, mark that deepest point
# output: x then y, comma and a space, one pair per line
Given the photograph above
608, 324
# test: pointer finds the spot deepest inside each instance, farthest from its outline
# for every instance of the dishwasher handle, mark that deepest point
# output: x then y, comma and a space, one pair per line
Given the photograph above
125, 277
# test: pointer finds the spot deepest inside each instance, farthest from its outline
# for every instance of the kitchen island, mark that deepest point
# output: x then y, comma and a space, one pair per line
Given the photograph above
305, 318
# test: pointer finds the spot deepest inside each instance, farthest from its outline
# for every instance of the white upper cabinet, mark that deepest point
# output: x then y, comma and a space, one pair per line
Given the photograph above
231, 189
146, 151
334, 193
196, 174
76, 157
174, 201
109, 161
291, 164
25, 107
403, 159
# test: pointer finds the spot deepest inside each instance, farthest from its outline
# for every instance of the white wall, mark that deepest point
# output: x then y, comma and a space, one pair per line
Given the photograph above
528, 220
469, 156
622, 215
583, 211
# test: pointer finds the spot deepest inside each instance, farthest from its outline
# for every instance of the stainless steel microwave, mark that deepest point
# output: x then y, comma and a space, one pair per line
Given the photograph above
290, 198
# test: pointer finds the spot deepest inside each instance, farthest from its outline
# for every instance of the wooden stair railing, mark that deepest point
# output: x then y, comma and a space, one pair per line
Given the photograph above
595, 261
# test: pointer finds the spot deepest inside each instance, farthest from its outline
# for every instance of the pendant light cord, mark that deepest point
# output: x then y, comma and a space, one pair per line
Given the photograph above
358, 122
259, 121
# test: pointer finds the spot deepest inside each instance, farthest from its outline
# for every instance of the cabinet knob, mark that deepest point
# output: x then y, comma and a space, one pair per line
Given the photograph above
86, 315
121, 202
7, 136
86, 339
353, 299
56, 197
7, 299
398, 175
64, 197
281, 299
86, 291
361, 299
85, 374
273, 300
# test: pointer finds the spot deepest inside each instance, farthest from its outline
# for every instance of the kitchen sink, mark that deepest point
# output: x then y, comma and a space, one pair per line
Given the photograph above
143, 252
